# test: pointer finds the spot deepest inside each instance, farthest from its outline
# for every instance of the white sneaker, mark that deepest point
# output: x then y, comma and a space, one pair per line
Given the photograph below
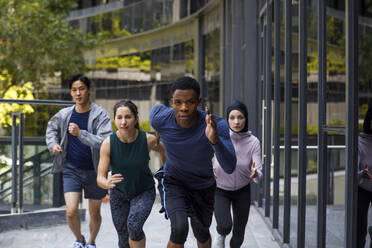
220, 241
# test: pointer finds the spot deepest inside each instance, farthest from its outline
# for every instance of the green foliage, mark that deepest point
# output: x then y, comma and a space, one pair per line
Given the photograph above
337, 123
312, 166
334, 65
36, 122
362, 111
130, 61
36, 41
335, 62
189, 60
360, 127
145, 126
335, 31
114, 128
3, 164
365, 62
9, 91
108, 25
312, 130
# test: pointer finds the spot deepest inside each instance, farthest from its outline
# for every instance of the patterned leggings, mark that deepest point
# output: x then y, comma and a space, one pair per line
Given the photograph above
130, 213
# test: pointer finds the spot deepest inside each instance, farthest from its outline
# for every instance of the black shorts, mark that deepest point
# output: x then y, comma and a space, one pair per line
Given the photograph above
196, 203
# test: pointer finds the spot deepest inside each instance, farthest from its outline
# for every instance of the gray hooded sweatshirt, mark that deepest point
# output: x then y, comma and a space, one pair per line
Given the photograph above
247, 150
99, 127
364, 157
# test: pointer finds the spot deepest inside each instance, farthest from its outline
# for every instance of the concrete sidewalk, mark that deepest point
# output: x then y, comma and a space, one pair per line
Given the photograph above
157, 230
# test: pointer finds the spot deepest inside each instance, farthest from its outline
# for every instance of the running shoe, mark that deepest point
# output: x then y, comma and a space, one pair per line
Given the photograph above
78, 244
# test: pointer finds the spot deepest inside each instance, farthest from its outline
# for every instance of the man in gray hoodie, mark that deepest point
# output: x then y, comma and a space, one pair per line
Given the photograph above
74, 135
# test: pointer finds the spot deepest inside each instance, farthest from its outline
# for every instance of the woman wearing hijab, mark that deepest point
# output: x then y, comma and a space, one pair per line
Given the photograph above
233, 190
364, 178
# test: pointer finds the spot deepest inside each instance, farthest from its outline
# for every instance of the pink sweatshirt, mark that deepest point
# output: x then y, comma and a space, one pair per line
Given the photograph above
364, 157
247, 150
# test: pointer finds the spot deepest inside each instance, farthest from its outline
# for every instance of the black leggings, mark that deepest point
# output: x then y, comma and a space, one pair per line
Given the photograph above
180, 228
130, 213
364, 200
240, 200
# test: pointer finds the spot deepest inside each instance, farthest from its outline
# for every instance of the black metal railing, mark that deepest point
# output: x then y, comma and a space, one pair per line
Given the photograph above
26, 172
36, 160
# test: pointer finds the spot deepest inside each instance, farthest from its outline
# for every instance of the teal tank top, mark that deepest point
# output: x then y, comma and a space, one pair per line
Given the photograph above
131, 160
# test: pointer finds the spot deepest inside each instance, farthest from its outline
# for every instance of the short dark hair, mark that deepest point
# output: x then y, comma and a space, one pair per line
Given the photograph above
186, 83
78, 77
367, 121
129, 104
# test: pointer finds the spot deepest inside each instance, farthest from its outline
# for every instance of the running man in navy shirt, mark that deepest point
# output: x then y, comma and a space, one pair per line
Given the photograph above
191, 137
74, 135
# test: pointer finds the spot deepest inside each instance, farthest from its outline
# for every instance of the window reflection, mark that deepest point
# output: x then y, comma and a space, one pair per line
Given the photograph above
133, 16
212, 70
143, 77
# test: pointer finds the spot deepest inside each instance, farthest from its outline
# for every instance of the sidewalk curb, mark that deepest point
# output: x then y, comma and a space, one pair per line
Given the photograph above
35, 219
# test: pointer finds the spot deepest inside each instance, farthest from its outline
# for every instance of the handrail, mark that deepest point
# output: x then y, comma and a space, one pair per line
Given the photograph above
96, 10
38, 102
316, 147
17, 142
28, 140
36, 155
32, 158
43, 173
5, 172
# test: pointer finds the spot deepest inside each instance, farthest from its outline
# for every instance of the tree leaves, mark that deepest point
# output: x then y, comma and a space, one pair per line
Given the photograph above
10, 91
36, 41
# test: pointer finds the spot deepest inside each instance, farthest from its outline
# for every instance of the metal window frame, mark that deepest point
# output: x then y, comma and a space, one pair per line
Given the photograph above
288, 122
302, 135
17, 163
277, 115
268, 77
14, 165
237, 62
352, 86
260, 93
200, 47
351, 129
226, 51
322, 135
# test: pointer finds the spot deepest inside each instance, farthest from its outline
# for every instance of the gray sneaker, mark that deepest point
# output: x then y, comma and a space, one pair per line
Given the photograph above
91, 245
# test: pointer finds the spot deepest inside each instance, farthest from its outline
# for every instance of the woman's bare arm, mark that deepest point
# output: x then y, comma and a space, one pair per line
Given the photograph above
103, 167
156, 145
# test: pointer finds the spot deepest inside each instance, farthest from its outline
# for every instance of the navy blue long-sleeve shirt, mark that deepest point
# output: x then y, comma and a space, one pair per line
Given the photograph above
189, 152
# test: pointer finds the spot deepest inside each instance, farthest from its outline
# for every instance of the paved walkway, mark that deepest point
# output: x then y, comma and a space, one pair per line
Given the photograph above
157, 231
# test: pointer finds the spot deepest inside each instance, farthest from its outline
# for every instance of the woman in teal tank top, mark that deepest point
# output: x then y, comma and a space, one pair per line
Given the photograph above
132, 192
